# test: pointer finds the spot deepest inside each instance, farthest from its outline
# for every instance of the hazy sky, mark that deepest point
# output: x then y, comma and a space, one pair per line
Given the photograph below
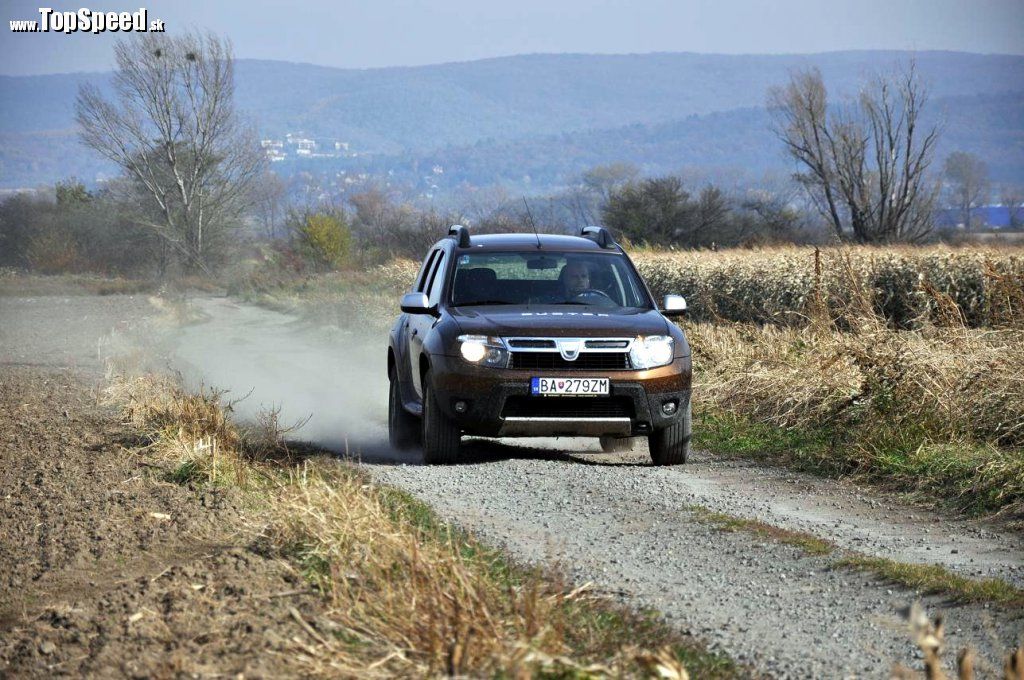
349, 33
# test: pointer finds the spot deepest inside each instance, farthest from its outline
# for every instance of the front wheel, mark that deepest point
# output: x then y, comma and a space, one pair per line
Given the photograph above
442, 438
671, 446
403, 427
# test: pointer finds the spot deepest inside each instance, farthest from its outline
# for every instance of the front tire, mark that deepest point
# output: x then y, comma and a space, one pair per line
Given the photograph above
671, 446
442, 438
403, 427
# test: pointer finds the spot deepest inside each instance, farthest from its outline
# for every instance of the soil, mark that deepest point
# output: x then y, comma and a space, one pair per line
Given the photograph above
107, 570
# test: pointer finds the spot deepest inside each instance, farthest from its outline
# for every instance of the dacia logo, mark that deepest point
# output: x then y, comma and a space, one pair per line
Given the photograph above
570, 349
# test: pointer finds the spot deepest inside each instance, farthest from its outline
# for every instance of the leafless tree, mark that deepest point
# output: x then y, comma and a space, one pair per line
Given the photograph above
387, 226
479, 204
967, 176
269, 204
1012, 196
604, 179
865, 164
172, 127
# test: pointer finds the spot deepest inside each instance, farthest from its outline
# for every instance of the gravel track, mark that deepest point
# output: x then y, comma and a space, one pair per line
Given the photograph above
625, 525
627, 528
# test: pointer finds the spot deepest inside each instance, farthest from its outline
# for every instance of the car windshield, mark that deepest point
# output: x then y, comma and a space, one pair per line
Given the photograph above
547, 278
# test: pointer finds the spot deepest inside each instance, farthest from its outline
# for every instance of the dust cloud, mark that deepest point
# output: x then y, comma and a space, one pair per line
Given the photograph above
334, 380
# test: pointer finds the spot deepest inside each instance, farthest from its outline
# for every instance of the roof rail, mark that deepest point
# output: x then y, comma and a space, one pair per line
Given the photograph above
600, 235
461, 235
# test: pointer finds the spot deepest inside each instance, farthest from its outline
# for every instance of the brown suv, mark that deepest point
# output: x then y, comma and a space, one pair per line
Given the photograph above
536, 335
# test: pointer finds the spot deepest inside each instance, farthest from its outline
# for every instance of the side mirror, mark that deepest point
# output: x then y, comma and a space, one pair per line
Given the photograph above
416, 303
675, 305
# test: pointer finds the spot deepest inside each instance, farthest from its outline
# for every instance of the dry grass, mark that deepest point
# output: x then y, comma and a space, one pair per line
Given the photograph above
948, 383
940, 411
929, 636
408, 595
17, 283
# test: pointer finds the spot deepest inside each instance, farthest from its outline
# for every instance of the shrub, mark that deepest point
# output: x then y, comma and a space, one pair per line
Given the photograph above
326, 239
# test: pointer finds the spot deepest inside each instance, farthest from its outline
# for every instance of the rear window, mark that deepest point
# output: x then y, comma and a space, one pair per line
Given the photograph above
547, 278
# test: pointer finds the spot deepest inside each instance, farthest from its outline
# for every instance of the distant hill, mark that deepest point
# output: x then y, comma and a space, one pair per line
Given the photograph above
406, 112
737, 142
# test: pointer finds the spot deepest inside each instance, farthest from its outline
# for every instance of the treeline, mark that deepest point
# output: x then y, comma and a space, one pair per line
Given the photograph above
111, 231
664, 212
71, 230
374, 226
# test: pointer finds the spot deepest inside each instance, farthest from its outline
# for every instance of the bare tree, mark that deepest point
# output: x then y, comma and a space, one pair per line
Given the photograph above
967, 176
1012, 197
173, 129
865, 164
604, 179
269, 196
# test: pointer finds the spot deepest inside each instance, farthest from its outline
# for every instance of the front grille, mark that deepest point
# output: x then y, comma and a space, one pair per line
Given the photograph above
607, 344
585, 361
529, 343
567, 407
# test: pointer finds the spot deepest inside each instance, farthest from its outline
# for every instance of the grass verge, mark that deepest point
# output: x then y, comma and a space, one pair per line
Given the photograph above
407, 594
809, 544
975, 479
928, 579
932, 579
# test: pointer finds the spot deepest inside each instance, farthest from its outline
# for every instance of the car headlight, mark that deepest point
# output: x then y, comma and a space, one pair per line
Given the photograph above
651, 351
483, 350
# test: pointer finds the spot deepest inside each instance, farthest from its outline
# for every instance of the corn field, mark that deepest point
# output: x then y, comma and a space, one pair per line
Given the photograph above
908, 287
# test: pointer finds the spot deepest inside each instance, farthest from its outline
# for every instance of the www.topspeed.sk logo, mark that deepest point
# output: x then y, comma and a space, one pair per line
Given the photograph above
88, 21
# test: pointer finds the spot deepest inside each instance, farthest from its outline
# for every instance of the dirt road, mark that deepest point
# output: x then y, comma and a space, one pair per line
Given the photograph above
623, 524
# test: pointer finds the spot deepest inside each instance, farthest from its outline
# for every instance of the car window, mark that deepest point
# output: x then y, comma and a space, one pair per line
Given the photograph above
421, 278
524, 278
436, 282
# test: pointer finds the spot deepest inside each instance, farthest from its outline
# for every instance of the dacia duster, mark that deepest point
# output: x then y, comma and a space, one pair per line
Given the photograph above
515, 335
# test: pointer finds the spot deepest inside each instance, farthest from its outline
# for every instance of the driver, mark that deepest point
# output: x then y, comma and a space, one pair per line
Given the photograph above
575, 279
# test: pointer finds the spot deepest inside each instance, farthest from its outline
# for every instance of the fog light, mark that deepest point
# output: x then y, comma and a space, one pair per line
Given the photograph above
461, 407
668, 408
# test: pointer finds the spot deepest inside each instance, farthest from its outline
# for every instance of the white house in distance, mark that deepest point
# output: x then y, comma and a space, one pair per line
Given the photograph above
273, 148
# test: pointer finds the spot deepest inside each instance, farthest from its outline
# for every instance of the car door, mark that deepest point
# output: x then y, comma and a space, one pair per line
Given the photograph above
403, 329
420, 324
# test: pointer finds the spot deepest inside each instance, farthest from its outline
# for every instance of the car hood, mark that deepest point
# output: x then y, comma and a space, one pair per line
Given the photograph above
559, 321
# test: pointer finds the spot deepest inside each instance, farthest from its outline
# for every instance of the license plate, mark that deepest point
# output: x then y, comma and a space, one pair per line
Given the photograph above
580, 387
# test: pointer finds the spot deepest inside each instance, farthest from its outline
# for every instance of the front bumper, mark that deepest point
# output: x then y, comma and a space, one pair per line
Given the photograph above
485, 393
